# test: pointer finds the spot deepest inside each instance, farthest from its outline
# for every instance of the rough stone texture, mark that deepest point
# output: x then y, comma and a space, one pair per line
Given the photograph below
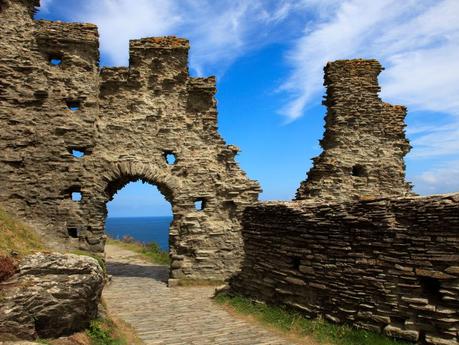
128, 120
387, 265
52, 295
364, 142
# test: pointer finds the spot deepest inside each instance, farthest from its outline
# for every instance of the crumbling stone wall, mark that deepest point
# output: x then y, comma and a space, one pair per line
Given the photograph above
387, 265
54, 99
364, 142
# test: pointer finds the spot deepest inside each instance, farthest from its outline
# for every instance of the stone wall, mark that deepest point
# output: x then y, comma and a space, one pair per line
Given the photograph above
54, 99
364, 142
387, 265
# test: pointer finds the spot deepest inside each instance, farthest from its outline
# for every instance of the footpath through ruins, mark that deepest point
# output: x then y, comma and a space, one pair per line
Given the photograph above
138, 295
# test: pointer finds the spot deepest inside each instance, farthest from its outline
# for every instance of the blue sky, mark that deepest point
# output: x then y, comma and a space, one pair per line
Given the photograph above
268, 57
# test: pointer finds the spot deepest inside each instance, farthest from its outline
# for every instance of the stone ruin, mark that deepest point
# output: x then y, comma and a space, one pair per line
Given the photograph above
355, 246
55, 99
364, 142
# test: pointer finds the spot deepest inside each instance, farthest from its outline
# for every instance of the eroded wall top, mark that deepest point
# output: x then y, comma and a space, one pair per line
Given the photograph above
124, 121
364, 144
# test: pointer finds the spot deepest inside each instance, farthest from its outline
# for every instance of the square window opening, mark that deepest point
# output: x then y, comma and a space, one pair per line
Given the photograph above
77, 196
170, 158
73, 232
74, 105
200, 204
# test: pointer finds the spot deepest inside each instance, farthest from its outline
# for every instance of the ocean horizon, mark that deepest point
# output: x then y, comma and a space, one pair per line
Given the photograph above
142, 229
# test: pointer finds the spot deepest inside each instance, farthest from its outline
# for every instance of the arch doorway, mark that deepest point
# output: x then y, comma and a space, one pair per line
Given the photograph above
139, 212
139, 216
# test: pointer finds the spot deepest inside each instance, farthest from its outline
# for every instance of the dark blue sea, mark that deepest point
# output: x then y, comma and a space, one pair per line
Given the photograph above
143, 229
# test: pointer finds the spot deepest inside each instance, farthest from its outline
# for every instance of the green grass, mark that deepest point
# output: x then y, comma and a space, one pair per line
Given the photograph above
112, 331
294, 323
16, 236
150, 251
101, 333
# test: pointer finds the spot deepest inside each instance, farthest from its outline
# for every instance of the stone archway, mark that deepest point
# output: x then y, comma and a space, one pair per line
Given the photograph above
125, 174
124, 121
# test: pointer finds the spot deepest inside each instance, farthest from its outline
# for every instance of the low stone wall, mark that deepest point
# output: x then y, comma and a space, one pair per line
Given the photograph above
387, 265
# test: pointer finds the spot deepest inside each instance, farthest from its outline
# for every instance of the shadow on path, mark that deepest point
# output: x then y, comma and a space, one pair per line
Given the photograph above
122, 269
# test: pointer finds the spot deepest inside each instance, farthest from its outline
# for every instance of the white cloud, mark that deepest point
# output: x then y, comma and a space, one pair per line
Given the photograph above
45, 4
417, 42
120, 20
441, 179
220, 31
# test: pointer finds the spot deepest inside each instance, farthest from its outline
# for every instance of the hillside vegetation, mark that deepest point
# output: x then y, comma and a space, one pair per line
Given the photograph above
16, 236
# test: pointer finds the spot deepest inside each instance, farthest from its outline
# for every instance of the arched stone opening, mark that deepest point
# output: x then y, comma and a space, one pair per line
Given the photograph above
120, 181
139, 213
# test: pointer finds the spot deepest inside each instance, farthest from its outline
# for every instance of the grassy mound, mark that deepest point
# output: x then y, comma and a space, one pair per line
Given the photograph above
17, 237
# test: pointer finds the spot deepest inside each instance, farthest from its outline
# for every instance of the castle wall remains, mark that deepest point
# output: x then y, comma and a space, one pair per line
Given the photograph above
386, 265
124, 122
364, 142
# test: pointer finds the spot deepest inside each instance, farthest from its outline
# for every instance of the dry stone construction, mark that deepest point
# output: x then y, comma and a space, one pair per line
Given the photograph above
55, 100
356, 246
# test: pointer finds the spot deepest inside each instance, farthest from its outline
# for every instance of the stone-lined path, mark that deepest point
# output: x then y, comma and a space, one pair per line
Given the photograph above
138, 294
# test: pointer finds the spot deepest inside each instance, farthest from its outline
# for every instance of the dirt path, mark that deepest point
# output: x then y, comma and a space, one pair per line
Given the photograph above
138, 294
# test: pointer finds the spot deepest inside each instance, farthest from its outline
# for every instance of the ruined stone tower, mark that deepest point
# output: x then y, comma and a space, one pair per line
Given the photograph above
364, 144
54, 99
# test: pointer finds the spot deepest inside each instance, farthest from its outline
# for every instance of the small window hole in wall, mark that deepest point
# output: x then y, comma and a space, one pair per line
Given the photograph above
55, 59
296, 263
74, 105
76, 196
73, 232
359, 171
431, 289
78, 153
170, 157
200, 204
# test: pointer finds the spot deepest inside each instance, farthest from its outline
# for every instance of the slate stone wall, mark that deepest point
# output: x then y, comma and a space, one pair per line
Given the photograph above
364, 142
387, 265
55, 99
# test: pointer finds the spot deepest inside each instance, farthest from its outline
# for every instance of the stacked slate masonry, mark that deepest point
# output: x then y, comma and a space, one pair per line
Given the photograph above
357, 246
123, 122
386, 265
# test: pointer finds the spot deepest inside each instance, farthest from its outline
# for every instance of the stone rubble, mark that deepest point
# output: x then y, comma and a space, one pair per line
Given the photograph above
53, 295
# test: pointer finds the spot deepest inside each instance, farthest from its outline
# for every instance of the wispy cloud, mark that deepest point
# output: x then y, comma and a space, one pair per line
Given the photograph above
220, 31
417, 43
120, 20
415, 40
45, 4
442, 179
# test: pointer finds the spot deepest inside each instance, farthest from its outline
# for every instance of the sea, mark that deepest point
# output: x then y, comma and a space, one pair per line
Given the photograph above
142, 229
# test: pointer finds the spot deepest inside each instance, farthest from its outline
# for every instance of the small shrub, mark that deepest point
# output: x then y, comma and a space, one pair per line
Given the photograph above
128, 239
100, 333
8, 267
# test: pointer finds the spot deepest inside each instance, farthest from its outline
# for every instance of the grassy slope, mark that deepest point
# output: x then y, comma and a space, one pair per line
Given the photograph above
295, 324
16, 236
149, 251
